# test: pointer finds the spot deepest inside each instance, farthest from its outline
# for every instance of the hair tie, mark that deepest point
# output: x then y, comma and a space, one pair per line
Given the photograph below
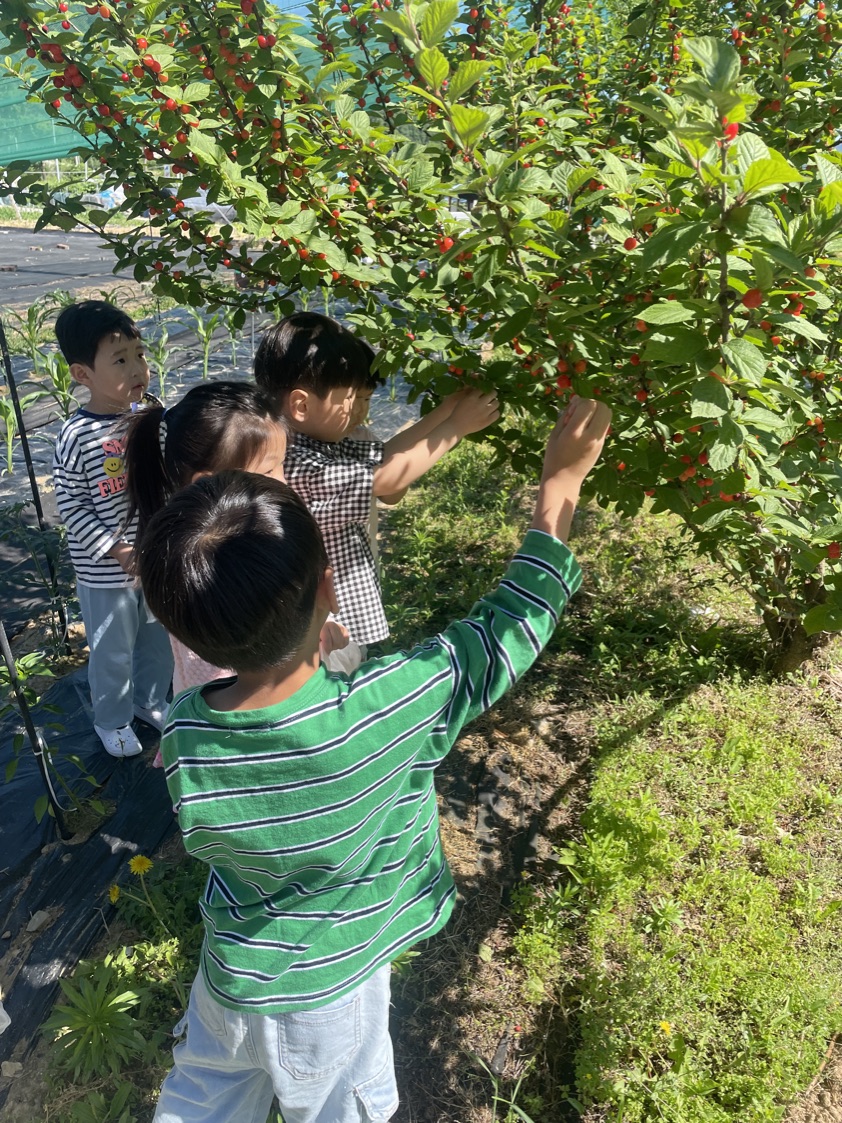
162, 436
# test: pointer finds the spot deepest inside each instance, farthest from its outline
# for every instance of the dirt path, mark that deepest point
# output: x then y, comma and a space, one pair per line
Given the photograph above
822, 1102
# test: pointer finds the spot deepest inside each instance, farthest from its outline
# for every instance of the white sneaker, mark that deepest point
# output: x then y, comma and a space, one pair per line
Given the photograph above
153, 716
119, 742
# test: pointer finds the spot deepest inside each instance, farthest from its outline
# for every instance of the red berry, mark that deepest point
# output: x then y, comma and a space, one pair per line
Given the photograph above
834, 551
630, 244
753, 298
563, 382
641, 325
731, 130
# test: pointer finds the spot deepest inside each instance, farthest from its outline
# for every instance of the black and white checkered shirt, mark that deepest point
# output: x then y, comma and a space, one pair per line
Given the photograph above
336, 481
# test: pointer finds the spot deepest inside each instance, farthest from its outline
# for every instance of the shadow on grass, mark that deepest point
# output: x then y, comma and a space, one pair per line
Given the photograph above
630, 650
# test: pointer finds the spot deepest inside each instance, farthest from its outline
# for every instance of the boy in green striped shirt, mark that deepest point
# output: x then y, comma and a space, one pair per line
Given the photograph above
310, 794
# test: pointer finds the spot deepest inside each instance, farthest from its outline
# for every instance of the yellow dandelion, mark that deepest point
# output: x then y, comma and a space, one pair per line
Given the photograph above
140, 864
666, 1027
113, 894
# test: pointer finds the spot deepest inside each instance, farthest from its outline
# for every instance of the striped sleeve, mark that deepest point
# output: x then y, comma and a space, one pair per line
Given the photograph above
507, 630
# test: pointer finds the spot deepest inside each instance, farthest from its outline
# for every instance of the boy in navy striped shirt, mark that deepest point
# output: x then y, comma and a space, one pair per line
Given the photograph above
130, 665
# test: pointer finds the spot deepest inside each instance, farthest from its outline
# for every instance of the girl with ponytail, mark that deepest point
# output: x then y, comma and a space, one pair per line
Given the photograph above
215, 426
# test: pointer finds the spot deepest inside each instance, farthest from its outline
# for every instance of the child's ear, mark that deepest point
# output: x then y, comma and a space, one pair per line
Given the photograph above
298, 405
327, 590
81, 374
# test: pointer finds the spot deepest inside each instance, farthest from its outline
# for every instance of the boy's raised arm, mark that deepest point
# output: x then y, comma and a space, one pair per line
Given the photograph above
508, 627
572, 450
410, 454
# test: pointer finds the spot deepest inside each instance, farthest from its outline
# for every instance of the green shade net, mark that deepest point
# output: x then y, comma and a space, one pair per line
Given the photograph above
26, 132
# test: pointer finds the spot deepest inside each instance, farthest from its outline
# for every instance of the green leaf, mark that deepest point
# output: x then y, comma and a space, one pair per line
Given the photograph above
804, 328
763, 271
723, 452
437, 21
672, 243
719, 63
747, 361
344, 106
360, 123
675, 347
667, 312
421, 174
432, 66
447, 273
830, 197
425, 94
513, 326
767, 175
823, 618
758, 418
196, 91
829, 171
398, 23
470, 124
467, 75
710, 399
488, 263
204, 147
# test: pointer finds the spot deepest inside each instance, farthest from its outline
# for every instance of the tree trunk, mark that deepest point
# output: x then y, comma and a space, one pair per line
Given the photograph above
792, 647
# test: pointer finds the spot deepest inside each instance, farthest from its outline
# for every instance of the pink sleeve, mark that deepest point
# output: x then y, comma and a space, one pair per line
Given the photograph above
189, 670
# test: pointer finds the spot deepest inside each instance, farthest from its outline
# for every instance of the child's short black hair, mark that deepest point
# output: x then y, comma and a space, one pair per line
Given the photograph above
231, 566
81, 327
309, 351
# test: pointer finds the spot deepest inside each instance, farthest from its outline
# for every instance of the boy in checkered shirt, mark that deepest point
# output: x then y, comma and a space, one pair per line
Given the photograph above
314, 367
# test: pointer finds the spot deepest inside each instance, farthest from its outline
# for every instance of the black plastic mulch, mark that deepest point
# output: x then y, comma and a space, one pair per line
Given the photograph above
69, 881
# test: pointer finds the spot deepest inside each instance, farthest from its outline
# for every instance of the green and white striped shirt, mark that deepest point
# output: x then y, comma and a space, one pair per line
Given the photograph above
318, 815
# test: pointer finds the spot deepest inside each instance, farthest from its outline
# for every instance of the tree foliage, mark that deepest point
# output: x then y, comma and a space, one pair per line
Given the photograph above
656, 219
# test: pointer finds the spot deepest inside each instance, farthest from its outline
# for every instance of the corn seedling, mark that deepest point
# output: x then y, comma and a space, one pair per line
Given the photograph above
157, 353
9, 421
204, 329
58, 383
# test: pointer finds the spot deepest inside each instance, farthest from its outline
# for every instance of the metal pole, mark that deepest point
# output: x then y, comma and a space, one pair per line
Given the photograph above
35, 739
30, 469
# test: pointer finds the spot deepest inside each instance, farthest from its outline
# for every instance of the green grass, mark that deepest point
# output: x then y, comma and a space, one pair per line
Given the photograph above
707, 897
